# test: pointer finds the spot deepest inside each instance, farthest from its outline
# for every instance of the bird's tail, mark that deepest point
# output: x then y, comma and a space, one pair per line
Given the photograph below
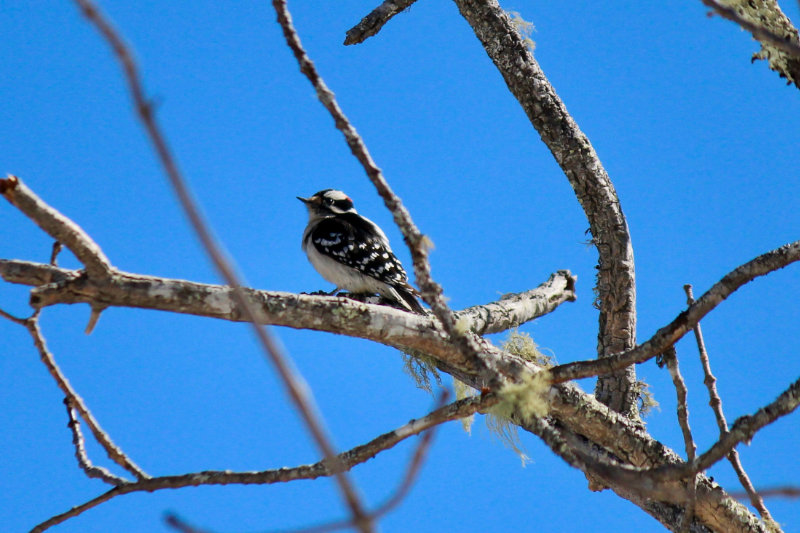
408, 300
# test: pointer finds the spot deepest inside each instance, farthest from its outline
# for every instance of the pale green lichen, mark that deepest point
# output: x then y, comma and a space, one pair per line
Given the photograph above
524, 28
523, 345
463, 325
422, 370
346, 313
645, 398
519, 403
465, 391
526, 400
505, 430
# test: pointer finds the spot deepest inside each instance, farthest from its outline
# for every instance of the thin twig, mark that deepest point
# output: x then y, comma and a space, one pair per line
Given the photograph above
12, 318
684, 322
417, 243
54, 253
716, 406
80, 450
76, 402
179, 524
743, 430
349, 459
770, 492
372, 23
670, 358
414, 465
298, 391
57, 226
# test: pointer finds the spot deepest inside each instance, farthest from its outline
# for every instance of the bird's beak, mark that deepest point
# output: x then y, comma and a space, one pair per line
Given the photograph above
304, 200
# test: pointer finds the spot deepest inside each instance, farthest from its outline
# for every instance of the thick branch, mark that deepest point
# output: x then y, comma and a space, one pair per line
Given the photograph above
372, 23
574, 153
383, 324
684, 322
56, 225
345, 461
512, 310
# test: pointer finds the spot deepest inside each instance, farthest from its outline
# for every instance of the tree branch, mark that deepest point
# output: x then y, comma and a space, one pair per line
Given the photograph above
684, 322
56, 225
344, 461
743, 430
74, 401
575, 155
670, 359
716, 406
80, 450
513, 310
780, 44
374, 22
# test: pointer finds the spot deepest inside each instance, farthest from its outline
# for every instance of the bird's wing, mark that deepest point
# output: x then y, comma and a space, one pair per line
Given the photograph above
349, 240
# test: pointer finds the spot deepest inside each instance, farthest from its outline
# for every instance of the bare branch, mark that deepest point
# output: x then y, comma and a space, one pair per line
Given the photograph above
402, 490
387, 325
76, 402
54, 253
743, 430
779, 40
575, 155
417, 243
625, 439
597, 463
372, 23
56, 225
716, 405
12, 318
298, 392
684, 322
513, 310
346, 460
35, 274
179, 524
80, 450
670, 358
771, 492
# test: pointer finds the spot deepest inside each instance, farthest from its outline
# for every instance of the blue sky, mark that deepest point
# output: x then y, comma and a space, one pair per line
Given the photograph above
700, 144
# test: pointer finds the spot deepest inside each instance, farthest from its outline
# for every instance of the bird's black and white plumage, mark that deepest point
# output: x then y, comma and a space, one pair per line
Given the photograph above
352, 252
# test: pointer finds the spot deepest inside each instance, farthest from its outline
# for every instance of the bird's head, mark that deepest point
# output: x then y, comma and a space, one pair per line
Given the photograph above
328, 203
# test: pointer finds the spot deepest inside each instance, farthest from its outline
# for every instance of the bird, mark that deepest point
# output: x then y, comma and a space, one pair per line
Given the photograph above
352, 252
